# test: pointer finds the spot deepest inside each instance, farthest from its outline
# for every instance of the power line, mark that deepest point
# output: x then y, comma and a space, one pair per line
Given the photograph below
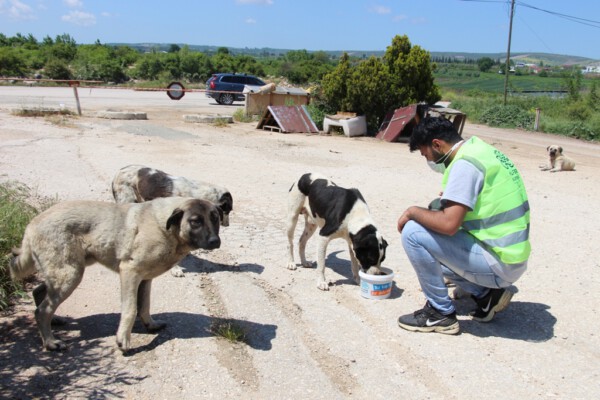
583, 21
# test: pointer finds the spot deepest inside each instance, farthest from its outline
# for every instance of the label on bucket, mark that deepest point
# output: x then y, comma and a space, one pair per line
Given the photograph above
376, 289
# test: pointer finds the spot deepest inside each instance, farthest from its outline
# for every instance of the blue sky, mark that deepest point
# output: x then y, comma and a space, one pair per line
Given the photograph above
477, 26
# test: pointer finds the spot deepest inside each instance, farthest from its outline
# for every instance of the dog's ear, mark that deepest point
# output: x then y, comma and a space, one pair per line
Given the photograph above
385, 244
548, 148
560, 150
175, 218
220, 210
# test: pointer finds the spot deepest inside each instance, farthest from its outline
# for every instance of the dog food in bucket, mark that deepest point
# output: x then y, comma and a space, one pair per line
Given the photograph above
376, 286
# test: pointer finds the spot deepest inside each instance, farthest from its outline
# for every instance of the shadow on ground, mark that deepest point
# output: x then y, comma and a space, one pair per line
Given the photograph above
88, 368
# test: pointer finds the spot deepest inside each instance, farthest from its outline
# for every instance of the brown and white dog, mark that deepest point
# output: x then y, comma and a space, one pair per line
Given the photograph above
339, 213
138, 241
137, 183
557, 161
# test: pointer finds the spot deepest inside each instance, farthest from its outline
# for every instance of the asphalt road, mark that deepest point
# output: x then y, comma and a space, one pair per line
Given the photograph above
117, 99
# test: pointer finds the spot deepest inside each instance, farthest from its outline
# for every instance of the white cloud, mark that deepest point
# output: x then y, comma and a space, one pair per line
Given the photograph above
259, 2
250, 21
16, 9
80, 18
73, 3
398, 18
106, 14
381, 10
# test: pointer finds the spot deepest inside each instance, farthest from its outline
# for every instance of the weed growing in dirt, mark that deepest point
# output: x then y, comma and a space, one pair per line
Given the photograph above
41, 112
17, 207
221, 122
228, 330
240, 116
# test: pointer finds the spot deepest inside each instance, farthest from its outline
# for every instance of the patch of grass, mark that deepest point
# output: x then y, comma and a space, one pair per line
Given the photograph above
18, 205
228, 330
15, 214
61, 120
240, 116
221, 122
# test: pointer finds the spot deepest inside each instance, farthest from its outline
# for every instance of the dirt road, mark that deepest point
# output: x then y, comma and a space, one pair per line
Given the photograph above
301, 342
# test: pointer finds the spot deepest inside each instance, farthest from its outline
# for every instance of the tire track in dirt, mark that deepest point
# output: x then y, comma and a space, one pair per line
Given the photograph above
412, 367
234, 357
337, 369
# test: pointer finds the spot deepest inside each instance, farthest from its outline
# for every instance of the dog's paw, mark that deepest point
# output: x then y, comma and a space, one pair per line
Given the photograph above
123, 343
323, 285
177, 271
55, 345
307, 264
155, 325
291, 265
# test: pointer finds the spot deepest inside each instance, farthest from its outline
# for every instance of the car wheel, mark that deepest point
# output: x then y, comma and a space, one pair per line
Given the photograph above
226, 98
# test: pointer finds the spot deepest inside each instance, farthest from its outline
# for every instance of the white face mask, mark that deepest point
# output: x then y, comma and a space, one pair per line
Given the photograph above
440, 165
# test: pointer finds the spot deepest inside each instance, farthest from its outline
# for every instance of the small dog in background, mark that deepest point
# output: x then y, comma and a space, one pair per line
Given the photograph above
557, 161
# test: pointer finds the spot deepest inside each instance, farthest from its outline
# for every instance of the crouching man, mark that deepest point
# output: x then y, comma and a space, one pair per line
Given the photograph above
479, 239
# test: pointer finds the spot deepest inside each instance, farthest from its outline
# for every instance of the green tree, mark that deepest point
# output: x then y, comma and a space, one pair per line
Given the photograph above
368, 91
98, 62
195, 66
57, 69
593, 99
375, 87
572, 81
335, 85
411, 74
485, 64
11, 64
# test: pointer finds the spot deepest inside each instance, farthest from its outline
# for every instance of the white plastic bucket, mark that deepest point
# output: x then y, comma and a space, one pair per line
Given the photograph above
376, 286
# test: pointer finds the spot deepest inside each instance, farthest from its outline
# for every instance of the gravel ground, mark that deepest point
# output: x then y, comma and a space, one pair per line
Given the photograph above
300, 342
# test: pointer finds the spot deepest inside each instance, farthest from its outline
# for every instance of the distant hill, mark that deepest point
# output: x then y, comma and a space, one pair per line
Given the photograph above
546, 58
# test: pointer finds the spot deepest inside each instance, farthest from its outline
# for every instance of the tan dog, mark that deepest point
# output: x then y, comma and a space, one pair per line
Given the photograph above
138, 241
557, 161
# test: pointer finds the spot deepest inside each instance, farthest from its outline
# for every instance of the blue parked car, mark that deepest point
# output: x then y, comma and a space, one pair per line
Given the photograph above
227, 88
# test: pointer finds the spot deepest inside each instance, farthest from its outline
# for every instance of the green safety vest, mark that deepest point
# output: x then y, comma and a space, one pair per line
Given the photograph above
500, 217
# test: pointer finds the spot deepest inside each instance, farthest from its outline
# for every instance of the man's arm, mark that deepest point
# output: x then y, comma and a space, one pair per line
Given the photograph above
446, 221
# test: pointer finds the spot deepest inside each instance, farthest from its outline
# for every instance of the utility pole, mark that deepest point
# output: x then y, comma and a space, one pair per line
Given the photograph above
507, 66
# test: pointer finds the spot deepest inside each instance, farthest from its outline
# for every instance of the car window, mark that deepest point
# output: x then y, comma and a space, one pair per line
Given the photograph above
255, 81
227, 79
238, 79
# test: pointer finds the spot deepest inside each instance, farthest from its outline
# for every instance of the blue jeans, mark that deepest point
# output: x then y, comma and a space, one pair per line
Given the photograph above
459, 258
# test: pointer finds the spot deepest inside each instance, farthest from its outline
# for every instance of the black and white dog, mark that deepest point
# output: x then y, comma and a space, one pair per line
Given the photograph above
339, 213
137, 184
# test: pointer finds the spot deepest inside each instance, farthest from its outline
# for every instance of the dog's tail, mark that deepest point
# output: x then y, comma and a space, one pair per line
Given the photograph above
22, 262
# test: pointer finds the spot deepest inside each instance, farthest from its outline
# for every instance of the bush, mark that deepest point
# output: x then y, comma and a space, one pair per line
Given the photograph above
15, 214
509, 116
578, 111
